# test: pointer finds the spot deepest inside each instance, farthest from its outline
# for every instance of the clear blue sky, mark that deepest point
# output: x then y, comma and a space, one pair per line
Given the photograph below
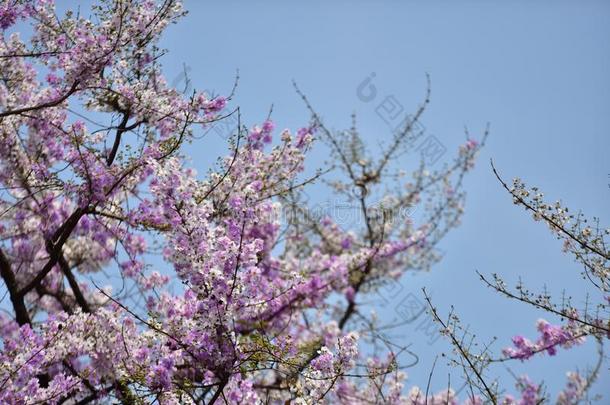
537, 71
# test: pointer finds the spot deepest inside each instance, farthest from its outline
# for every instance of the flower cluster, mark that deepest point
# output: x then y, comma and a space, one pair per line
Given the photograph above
551, 337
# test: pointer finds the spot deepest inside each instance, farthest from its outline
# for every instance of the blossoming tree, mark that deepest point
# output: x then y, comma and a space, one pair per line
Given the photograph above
94, 183
96, 186
586, 241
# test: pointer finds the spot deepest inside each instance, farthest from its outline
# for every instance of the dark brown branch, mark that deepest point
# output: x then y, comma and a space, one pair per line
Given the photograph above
21, 312
57, 242
78, 294
53, 103
117, 138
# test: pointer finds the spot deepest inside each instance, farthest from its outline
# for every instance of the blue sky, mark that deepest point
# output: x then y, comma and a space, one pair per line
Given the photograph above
537, 71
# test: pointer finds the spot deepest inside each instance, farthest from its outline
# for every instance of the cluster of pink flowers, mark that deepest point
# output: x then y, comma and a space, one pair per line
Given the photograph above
551, 337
